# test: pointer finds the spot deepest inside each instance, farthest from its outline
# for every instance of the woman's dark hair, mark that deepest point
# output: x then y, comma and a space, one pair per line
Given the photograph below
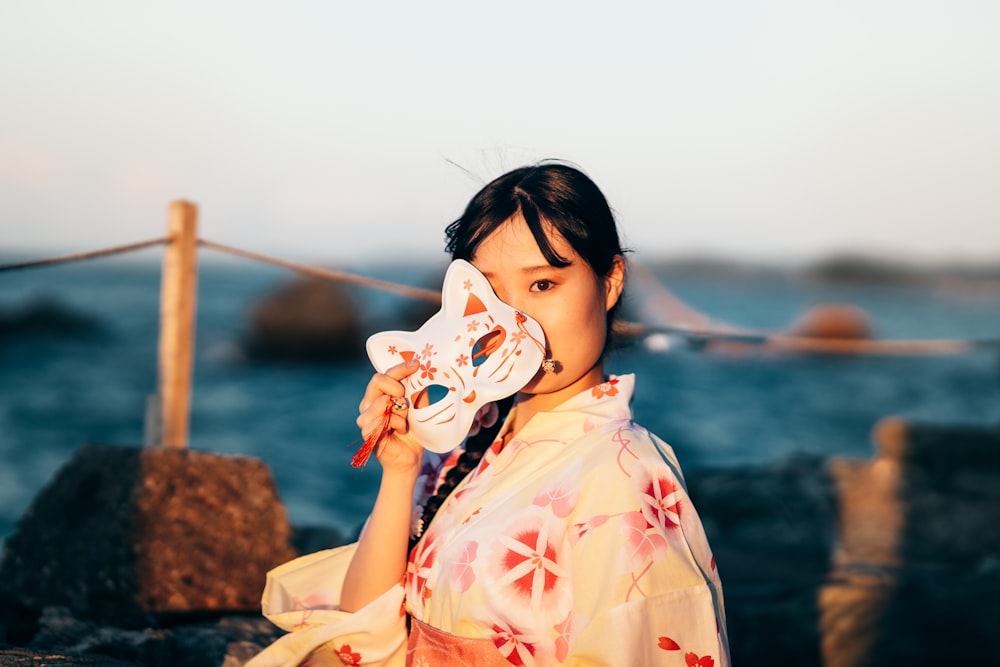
548, 196
551, 197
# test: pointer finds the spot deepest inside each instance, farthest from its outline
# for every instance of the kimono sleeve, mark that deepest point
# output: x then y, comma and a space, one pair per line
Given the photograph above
303, 597
663, 631
646, 590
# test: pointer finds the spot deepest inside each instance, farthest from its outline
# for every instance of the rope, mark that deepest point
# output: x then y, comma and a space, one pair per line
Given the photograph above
726, 338
79, 256
329, 274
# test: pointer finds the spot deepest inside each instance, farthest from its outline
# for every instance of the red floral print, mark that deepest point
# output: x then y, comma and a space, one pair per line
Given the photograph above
660, 496
427, 371
561, 496
640, 546
531, 564
605, 389
693, 660
581, 529
461, 566
514, 645
565, 632
348, 657
525, 571
668, 644
419, 567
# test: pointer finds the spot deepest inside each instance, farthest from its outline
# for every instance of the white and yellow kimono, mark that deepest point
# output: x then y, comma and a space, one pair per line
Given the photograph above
573, 544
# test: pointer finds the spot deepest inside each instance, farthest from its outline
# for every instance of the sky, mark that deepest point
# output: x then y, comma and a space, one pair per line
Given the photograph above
345, 131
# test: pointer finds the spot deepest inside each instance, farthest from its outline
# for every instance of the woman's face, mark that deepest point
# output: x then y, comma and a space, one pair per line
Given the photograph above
570, 303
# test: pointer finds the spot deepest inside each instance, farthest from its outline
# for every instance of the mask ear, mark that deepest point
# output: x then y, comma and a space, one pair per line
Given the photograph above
464, 290
614, 282
387, 349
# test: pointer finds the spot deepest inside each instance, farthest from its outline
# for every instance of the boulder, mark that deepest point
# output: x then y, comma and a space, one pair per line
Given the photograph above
916, 571
833, 320
44, 317
771, 529
306, 320
125, 535
229, 641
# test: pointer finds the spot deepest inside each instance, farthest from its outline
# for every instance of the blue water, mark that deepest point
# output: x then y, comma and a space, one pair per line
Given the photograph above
56, 394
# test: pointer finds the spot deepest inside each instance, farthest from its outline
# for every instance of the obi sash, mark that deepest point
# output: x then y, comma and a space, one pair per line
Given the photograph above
430, 646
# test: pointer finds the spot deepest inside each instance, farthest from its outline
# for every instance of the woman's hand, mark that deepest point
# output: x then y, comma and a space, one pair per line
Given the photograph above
397, 452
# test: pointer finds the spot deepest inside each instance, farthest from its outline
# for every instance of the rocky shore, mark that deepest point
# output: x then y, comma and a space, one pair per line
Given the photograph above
834, 562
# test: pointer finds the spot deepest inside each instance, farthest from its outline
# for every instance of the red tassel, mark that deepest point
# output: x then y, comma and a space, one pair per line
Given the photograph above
368, 446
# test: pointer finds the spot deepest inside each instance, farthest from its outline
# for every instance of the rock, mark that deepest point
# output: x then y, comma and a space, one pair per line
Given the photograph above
916, 576
834, 562
18, 657
123, 535
308, 319
45, 317
833, 320
228, 641
771, 529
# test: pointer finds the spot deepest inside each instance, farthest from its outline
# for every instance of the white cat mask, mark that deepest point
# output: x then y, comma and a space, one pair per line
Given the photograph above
475, 350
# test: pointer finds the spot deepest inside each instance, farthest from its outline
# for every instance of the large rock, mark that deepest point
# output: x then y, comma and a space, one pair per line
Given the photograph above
833, 320
916, 577
307, 319
771, 529
44, 317
229, 641
123, 534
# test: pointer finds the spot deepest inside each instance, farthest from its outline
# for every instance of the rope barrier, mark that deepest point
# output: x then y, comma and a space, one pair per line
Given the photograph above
329, 274
91, 254
726, 338
736, 340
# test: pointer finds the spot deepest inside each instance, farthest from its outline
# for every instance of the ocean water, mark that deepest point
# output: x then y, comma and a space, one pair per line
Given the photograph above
57, 391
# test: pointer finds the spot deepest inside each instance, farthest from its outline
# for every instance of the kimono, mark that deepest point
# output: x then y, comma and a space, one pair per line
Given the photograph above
575, 543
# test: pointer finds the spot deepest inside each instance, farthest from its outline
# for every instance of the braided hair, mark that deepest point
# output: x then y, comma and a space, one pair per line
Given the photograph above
475, 447
551, 197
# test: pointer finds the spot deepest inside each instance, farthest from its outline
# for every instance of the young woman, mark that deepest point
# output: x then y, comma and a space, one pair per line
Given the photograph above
563, 535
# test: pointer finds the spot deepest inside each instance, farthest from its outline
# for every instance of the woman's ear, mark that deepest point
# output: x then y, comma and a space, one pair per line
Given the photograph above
615, 281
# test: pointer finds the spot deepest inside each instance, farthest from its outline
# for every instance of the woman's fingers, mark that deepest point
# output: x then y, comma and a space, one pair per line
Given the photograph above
382, 414
386, 384
373, 417
400, 371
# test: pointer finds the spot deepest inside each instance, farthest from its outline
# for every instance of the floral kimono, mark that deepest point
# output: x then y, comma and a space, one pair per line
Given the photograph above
575, 543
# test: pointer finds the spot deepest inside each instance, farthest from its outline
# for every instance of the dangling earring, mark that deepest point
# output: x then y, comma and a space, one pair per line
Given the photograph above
548, 366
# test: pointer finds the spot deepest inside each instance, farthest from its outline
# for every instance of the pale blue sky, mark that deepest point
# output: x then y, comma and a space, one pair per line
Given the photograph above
326, 130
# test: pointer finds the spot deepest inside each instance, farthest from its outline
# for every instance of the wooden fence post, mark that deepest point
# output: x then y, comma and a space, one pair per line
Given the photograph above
168, 425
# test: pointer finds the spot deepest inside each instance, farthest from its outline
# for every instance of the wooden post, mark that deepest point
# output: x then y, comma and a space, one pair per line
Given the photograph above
177, 313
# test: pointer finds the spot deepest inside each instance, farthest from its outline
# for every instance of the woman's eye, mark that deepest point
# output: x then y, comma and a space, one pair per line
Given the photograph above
542, 285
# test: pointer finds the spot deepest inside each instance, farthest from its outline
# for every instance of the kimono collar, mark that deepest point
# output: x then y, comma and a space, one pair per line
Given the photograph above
606, 402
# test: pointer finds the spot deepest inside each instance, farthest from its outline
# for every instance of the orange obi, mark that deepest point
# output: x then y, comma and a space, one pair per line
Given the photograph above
442, 649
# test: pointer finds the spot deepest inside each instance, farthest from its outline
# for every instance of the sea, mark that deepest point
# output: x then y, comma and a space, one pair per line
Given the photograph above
89, 381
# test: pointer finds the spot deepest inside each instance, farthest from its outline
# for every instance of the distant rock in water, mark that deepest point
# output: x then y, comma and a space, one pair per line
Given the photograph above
860, 269
46, 317
833, 320
306, 320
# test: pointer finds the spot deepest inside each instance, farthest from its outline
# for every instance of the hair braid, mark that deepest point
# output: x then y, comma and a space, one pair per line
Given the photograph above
475, 446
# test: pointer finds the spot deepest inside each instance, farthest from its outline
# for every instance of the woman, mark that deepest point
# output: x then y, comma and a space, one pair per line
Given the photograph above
568, 539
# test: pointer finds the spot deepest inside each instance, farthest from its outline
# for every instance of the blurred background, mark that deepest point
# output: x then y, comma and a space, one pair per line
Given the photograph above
764, 159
